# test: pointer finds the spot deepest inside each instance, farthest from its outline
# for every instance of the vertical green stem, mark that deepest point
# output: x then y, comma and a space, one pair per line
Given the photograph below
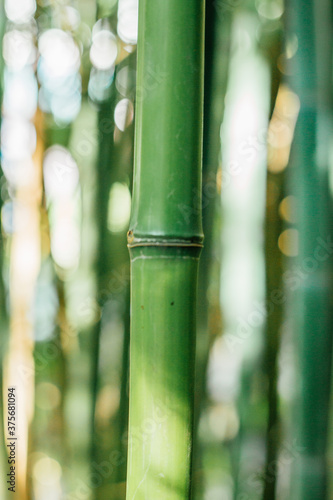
310, 159
217, 48
103, 173
273, 229
273, 271
165, 240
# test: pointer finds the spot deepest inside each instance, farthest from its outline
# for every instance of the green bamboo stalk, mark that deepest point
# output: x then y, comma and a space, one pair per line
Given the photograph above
217, 45
111, 166
217, 48
243, 217
312, 82
123, 403
114, 164
102, 262
273, 271
273, 229
165, 240
102, 267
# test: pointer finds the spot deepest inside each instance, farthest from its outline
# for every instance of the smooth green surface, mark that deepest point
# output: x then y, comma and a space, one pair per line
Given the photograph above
161, 375
166, 206
168, 146
313, 305
274, 269
217, 51
275, 182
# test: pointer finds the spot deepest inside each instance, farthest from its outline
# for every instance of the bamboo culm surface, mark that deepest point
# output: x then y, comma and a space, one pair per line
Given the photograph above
165, 240
311, 80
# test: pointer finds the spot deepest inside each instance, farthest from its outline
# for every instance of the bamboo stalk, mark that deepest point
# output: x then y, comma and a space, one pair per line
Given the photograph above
217, 49
115, 159
273, 229
217, 45
273, 271
165, 240
311, 80
19, 363
245, 118
103, 173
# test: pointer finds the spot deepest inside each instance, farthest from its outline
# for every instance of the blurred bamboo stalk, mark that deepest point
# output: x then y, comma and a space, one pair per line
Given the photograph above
114, 165
273, 272
107, 172
217, 46
25, 264
216, 57
273, 229
243, 207
104, 167
311, 79
165, 240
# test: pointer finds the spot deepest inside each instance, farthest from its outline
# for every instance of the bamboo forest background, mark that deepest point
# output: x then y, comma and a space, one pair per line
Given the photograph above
262, 427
